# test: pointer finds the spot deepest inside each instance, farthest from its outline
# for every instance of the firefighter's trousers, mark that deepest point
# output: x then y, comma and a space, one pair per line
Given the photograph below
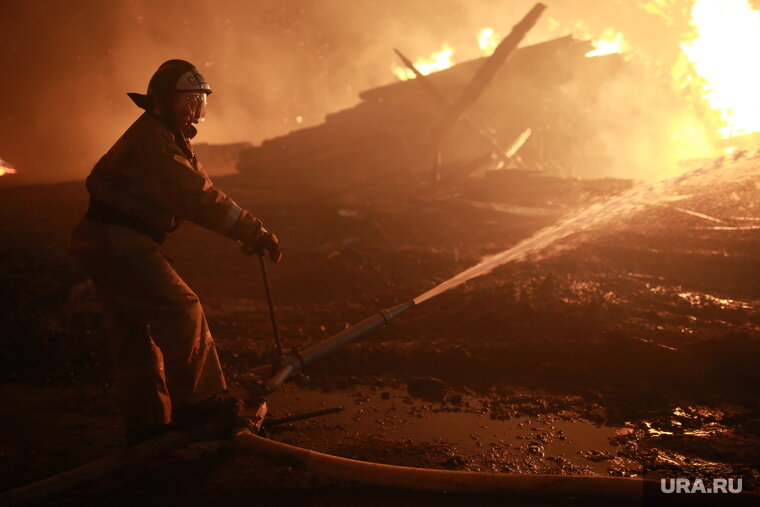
162, 349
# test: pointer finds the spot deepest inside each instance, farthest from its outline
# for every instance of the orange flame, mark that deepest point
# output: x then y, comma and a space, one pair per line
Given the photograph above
709, 69
438, 60
6, 168
488, 39
610, 42
730, 84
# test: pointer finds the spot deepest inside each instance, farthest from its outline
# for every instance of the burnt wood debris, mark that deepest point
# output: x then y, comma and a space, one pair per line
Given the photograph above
387, 136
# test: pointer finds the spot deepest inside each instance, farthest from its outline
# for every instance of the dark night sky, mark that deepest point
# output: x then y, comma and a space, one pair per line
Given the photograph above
68, 65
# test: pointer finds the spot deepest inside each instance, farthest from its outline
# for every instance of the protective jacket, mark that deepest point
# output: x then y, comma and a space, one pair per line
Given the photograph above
142, 189
150, 181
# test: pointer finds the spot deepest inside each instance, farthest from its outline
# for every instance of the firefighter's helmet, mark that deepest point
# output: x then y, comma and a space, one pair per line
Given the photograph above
173, 77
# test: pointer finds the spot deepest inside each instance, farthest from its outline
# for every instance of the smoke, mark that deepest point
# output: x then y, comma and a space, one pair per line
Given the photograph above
69, 65
639, 127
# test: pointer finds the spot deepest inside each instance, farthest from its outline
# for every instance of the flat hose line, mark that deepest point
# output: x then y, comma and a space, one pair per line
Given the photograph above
374, 474
453, 481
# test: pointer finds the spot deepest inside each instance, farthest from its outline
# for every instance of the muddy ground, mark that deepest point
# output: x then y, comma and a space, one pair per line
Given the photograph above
631, 344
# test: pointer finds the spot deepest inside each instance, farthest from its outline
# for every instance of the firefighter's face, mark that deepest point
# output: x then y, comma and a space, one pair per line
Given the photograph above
189, 107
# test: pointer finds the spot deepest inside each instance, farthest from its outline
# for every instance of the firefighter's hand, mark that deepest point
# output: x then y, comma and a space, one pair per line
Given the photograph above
264, 242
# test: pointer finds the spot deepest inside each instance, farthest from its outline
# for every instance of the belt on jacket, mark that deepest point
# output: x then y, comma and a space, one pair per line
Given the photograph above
106, 213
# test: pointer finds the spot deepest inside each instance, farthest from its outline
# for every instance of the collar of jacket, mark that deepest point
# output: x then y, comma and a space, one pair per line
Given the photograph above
190, 131
181, 136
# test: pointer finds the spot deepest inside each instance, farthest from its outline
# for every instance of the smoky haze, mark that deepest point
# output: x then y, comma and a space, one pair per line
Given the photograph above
70, 64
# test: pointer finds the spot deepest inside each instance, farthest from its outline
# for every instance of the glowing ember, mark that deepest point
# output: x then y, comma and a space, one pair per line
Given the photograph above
436, 61
723, 31
6, 168
488, 39
610, 42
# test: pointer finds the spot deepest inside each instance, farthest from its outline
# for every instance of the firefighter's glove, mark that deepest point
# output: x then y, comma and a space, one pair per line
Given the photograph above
255, 238
264, 242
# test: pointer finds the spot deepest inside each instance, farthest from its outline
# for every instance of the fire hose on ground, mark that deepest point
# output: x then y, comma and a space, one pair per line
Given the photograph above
427, 479
377, 474
134, 455
627, 490
424, 479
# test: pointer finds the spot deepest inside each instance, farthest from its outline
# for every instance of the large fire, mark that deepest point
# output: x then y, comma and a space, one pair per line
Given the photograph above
724, 30
6, 168
708, 67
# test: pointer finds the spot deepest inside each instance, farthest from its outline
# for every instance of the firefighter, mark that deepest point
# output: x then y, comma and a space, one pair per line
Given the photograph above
166, 365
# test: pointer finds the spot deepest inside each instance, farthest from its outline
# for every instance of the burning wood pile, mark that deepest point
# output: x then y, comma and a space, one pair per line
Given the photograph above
536, 107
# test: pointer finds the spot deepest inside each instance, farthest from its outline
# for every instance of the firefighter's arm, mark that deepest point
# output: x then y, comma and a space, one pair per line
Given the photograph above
190, 194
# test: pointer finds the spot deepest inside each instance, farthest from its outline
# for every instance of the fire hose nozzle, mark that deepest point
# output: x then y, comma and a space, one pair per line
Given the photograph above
291, 366
392, 312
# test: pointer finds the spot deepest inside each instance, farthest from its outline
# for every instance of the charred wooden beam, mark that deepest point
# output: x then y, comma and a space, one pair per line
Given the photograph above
442, 100
487, 71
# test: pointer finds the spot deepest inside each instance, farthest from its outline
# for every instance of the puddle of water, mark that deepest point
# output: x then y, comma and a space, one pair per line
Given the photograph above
471, 432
